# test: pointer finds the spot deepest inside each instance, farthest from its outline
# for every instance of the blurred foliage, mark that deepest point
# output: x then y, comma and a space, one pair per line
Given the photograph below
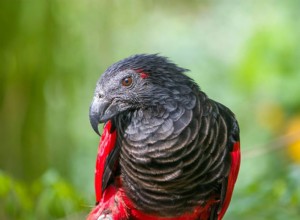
49, 197
244, 54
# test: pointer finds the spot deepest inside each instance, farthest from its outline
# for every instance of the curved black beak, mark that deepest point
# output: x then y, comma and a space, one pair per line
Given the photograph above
97, 112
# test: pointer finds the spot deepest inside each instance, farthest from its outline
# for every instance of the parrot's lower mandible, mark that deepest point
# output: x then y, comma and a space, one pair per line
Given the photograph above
167, 151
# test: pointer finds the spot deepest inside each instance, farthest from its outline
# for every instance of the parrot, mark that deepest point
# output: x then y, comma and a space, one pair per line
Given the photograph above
167, 151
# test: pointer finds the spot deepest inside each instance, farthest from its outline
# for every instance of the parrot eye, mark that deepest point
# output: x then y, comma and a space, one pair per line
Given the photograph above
127, 81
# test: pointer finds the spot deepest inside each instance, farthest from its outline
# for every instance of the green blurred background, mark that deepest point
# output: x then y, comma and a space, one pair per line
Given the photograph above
245, 54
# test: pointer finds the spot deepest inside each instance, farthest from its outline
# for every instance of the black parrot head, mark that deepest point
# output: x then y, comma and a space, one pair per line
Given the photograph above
139, 81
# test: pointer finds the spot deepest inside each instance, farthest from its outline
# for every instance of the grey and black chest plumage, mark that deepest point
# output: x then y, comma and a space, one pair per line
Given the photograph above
175, 154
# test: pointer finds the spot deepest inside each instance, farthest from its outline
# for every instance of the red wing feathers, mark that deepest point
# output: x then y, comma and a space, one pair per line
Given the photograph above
234, 170
106, 146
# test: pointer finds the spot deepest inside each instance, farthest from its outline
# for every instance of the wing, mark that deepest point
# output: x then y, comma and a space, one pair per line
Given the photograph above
109, 203
233, 145
234, 170
106, 159
220, 139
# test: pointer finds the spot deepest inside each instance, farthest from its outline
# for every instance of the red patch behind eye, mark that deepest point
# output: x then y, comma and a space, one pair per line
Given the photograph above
142, 73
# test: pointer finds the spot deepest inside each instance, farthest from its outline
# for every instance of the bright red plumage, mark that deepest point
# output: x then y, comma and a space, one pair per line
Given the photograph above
234, 170
106, 145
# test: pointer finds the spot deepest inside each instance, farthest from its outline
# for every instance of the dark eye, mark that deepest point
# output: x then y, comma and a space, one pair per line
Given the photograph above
127, 81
